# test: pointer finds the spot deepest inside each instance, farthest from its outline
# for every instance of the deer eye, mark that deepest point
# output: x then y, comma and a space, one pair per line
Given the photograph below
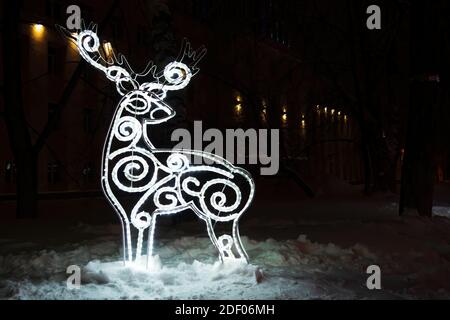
126, 85
159, 114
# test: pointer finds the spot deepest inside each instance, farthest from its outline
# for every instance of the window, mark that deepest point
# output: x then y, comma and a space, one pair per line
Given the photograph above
117, 29
201, 9
273, 21
87, 120
88, 173
10, 171
53, 172
86, 12
53, 112
52, 60
87, 75
142, 35
53, 9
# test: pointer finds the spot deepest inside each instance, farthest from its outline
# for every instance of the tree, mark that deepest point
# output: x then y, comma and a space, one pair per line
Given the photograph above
430, 49
18, 133
26, 153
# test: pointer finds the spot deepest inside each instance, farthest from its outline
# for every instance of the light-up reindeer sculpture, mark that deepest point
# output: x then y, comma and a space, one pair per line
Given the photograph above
162, 181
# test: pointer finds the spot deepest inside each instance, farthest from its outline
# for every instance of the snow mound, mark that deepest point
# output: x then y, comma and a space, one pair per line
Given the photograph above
188, 268
185, 268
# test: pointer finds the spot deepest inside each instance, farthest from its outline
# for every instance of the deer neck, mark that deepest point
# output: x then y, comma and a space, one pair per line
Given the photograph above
133, 114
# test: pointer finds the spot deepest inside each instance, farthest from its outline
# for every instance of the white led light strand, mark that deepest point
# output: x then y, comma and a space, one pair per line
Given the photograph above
162, 181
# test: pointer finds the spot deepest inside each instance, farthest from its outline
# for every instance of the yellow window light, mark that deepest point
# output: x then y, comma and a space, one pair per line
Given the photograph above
38, 30
284, 115
38, 27
107, 47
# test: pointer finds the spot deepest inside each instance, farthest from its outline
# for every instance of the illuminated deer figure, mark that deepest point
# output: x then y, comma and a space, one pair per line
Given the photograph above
141, 181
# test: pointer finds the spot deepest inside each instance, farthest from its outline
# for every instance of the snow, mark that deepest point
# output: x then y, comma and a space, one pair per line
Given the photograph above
320, 252
186, 268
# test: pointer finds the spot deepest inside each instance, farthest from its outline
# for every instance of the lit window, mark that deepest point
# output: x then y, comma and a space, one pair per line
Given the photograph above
107, 48
284, 116
38, 31
238, 105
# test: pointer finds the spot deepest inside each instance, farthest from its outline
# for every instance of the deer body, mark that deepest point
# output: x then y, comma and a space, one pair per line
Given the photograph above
142, 181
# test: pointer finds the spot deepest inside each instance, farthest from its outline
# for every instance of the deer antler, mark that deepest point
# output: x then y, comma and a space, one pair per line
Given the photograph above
150, 68
191, 57
176, 75
90, 49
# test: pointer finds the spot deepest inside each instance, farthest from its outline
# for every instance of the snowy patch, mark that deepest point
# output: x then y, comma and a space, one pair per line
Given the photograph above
186, 268
333, 266
441, 211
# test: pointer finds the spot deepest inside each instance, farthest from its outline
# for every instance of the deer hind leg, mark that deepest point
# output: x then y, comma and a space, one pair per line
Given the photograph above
141, 223
139, 243
228, 243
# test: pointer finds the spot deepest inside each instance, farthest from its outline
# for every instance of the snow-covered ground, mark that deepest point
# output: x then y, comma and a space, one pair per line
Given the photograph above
322, 254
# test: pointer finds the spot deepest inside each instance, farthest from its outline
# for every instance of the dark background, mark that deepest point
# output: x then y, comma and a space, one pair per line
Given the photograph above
368, 107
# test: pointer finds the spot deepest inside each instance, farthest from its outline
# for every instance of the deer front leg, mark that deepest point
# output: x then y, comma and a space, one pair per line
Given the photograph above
151, 236
141, 221
126, 240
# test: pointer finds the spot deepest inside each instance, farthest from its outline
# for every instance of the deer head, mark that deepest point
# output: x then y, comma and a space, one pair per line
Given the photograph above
175, 76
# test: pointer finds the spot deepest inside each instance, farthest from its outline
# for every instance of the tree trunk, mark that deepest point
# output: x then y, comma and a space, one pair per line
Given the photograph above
27, 187
18, 133
418, 167
427, 61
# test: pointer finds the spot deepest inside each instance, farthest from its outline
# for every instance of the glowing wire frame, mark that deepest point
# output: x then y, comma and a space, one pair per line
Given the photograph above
163, 181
